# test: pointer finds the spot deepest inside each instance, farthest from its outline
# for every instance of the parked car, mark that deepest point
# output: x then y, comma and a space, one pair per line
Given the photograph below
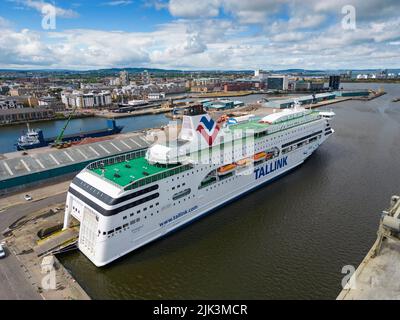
2, 252
28, 197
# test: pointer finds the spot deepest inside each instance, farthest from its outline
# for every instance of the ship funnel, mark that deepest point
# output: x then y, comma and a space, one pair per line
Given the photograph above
190, 121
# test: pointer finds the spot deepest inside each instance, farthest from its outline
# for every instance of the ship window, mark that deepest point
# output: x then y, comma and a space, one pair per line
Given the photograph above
111, 231
125, 217
117, 229
181, 194
125, 225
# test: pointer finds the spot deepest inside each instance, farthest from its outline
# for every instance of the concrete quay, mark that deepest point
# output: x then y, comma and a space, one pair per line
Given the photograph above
22, 269
377, 277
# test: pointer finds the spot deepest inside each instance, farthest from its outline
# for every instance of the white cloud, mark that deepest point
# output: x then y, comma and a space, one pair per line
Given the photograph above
195, 9
4, 22
117, 3
301, 38
38, 5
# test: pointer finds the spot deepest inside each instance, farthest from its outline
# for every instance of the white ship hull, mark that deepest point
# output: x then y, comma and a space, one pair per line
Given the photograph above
133, 229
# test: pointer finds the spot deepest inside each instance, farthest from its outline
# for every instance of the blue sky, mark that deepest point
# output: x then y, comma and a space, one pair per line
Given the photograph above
206, 34
102, 15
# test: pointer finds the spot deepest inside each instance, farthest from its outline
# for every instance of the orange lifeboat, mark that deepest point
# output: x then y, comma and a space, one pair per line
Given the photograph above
270, 155
244, 162
223, 118
226, 169
259, 156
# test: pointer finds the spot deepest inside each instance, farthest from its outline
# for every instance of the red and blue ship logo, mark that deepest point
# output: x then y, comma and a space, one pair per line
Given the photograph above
208, 129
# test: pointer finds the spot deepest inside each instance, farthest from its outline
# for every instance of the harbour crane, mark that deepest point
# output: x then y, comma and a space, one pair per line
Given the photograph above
58, 143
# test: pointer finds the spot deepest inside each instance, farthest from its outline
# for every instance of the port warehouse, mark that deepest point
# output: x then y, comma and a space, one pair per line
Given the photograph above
221, 104
25, 114
309, 99
51, 165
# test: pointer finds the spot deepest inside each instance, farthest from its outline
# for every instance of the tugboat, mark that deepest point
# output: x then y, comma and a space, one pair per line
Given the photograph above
31, 140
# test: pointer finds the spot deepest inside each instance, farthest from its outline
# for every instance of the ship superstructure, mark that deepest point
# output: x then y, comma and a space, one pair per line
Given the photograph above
125, 202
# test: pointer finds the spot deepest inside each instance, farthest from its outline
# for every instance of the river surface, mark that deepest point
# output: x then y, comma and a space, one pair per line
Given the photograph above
288, 240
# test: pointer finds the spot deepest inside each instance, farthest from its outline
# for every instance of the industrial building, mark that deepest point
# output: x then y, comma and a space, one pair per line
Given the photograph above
221, 104
334, 82
304, 100
354, 93
24, 114
9, 103
302, 85
277, 82
51, 103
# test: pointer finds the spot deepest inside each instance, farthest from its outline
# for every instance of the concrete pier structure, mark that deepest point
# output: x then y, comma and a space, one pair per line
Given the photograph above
377, 277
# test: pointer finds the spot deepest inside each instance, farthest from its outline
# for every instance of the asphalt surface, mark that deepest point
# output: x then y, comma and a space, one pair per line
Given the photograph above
14, 282
12, 214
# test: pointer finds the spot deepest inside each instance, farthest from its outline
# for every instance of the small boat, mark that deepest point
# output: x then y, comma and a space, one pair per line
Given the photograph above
244, 162
259, 156
226, 169
270, 155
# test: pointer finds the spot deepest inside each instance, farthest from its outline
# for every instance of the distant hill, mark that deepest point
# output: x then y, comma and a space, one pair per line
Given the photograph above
113, 71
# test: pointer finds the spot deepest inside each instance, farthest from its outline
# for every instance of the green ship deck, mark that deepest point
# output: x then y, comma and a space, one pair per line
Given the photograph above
124, 173
255, 125
132, 170
251, 125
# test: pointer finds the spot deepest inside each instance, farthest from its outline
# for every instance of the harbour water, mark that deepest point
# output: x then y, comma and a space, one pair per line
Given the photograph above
289, 239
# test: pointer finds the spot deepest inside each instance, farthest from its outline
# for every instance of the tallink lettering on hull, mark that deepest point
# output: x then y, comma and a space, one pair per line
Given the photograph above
270, 167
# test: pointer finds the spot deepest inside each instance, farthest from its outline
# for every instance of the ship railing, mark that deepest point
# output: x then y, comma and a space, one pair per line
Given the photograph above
158, 176
112, 160
289, 124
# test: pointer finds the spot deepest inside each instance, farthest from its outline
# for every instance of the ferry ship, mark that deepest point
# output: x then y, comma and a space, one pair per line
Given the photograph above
125, 202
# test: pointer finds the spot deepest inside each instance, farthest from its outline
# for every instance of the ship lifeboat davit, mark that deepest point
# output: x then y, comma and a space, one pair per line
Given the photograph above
226, 169
259, 156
